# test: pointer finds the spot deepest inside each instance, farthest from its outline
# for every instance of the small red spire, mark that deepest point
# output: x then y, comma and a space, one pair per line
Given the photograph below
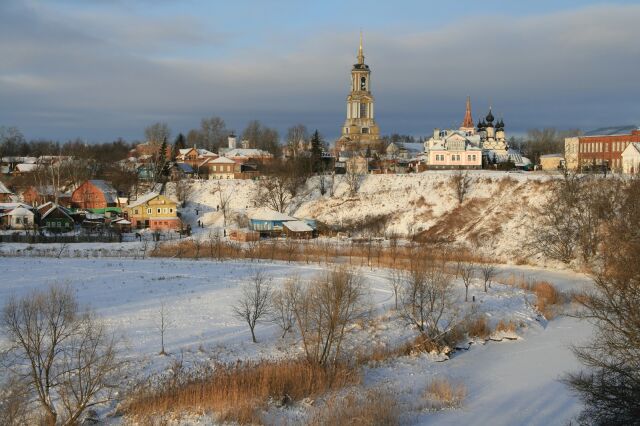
468, 120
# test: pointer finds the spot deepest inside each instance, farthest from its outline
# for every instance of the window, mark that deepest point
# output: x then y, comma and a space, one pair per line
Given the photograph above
365, 130
159, 211
135, 211
474, 157
363, 111
170, 210
346, 130
148, 211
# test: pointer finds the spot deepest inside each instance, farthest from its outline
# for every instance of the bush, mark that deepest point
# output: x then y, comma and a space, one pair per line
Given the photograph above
441, 393
238, 392
373, 408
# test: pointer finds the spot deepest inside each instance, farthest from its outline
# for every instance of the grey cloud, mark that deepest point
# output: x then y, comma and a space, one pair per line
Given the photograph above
568, 69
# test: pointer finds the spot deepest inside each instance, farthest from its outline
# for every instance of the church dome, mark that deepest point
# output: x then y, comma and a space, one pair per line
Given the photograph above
490, 117
481, 124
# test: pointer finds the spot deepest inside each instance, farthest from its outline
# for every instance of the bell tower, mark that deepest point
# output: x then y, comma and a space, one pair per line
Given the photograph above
360, 126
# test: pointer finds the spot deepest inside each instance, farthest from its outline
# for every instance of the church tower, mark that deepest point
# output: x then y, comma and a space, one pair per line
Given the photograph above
360, 128
467, 122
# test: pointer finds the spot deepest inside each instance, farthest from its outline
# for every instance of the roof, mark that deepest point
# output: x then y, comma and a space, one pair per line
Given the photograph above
552, 156
51, 207
20, 211
26, 167
110, 194
122, 222
268, 214
223, 160
185, 167
635, 145
246, 152
297, 226
611, 131
142, 200
4, 189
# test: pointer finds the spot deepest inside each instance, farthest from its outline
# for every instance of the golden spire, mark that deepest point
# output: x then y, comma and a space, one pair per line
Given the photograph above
360, 53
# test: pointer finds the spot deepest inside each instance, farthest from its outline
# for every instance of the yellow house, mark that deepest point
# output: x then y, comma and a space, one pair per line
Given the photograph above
153, 211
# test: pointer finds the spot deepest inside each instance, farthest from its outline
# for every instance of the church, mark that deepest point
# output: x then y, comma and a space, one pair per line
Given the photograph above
360, 131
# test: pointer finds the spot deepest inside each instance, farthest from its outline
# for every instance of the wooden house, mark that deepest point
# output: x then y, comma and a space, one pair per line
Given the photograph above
153, 211
55, 218
94, 194
6, 196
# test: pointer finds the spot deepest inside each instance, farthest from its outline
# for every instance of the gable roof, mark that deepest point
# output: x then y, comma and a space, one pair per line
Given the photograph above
222, 160
144, 199
4, 189
632, 145
110, 194
246, 152
49, 208
298, 226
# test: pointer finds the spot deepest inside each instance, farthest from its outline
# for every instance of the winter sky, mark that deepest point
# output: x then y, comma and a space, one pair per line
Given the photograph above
100, 69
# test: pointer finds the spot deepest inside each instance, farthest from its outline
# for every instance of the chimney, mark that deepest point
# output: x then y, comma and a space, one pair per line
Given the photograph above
436, 133
232, 141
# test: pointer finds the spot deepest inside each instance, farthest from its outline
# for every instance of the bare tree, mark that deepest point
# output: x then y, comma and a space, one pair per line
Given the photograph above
467, 271
64, 356
254, 305
283, 305
274, 192
396, 280
460, 181
354, 179
157, 133
184, 190
14, 402
428, 300
488, 271
224, 199
164, 322
323, 310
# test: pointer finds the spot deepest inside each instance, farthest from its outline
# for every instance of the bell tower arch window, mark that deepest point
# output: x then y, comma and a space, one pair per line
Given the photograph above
363, 83
363, 110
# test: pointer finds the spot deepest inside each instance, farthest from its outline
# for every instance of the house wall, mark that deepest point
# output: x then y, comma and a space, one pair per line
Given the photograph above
443, 158
605, 149
160, 212
550, 163
631, 162
87, 196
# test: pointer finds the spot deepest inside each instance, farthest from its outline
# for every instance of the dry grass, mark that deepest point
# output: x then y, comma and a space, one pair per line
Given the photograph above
548, 300
441, 393
478, 327
238, 393
505, 327
373, 408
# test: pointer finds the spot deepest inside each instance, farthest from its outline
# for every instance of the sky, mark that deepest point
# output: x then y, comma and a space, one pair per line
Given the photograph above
103, 69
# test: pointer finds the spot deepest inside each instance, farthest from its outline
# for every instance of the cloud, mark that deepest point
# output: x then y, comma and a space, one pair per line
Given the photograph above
100, 76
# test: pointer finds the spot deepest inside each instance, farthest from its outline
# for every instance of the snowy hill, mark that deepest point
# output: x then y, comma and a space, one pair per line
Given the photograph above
492, 219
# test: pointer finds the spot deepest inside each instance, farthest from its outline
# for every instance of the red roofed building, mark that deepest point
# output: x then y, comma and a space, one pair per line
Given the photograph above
94, 194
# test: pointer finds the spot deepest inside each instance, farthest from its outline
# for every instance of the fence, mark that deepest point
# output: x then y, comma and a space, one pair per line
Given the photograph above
64, 239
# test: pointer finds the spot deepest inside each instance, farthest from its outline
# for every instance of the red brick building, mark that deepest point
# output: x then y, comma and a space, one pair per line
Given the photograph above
94, 194
600, 149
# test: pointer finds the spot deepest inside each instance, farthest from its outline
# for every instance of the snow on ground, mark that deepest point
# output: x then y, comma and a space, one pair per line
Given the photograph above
494, 218
512, 382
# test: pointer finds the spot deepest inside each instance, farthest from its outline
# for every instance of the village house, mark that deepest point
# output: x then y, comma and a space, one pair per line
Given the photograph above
153, 211
16, 216
551, 162
55, 218
42, 194
95, 194
271, 223
631, 159
221, 168
194, 156
453, 149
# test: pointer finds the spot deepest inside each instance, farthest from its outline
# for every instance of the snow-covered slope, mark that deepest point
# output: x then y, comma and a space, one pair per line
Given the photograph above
492, 219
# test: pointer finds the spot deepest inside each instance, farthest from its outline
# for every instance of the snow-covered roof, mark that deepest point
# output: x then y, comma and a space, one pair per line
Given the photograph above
11, 206
122, 222
20, 211
222, 160
246, 152
110, 194
26, 167
4, 189
49, 207
297, 226
268, 214
552, 156
143, 199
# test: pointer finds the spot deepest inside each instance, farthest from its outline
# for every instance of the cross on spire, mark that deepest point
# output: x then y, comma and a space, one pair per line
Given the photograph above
468, 120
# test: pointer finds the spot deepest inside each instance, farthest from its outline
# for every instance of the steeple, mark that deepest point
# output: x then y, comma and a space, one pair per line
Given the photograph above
360, 52
467, 123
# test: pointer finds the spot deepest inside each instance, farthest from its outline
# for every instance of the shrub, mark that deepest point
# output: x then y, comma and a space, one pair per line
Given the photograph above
441, 393
238, 392
375, 407
478, 327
